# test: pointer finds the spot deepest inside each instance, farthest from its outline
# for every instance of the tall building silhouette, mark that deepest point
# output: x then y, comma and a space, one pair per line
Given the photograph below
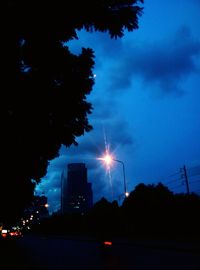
76, 192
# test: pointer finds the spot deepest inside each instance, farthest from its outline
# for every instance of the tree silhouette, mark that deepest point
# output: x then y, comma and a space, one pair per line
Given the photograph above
45, 86
147, 209
103, 219
153, 210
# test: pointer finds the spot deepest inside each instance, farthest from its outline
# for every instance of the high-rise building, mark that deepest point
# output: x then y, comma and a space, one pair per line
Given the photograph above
76, 192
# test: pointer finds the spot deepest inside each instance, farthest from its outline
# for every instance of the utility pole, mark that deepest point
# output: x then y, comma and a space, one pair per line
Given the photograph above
186, 179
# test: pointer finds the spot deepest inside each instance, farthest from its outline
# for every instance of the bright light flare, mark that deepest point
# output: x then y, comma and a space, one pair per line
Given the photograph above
107, 158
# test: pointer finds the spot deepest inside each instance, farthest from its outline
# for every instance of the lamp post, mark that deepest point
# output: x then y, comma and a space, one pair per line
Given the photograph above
125, 190
108, 160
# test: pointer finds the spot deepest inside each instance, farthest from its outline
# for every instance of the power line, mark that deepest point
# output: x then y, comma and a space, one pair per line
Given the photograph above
171, 181
163, 179
173, 174
192, 176
192, 171
177, 186
184, 174
195, 181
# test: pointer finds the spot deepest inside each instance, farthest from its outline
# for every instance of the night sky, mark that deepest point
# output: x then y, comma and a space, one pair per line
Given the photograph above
146, 105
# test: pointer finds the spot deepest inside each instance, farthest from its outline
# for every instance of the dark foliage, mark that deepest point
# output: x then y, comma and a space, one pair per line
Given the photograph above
44, 87
151, 211
103, 218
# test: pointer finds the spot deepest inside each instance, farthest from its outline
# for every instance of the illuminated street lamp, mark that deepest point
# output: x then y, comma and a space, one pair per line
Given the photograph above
108, 160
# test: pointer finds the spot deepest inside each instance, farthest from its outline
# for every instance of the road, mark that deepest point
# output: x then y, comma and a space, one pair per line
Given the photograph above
48, 253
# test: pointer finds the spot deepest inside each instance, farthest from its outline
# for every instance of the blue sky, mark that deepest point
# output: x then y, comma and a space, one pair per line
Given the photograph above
146, 105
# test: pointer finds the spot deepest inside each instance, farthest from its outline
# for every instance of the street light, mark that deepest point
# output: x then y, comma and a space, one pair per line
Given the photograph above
125, 191
108, 160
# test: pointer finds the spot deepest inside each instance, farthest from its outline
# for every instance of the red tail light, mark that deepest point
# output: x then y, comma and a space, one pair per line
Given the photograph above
107, 243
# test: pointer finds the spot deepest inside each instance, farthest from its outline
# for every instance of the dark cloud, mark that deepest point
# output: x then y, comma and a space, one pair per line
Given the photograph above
58, 163
103, 109
121, 79
121, 134
164, 64
114, 131
100, 185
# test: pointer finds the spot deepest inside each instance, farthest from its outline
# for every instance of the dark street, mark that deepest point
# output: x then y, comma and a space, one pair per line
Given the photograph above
48, 253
